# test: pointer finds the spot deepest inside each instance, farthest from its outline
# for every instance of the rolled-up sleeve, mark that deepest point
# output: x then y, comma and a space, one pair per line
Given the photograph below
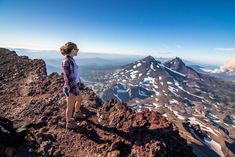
66, 72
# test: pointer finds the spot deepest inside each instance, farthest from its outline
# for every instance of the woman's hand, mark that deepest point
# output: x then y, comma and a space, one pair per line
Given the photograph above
66, 91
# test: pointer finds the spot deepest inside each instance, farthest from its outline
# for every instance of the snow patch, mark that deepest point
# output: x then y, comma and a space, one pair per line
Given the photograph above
206, 70
149, 79
176, 113
177, 84
156, 92
151, 66
173, 70
193, 120
133, 76
155, 86
156, 105
174, 101
212, 117
148, 73
124, 89
173, 91
169, 82
123, 80
134, 72
142, 93
209, 142
214, 146
117, 97
164, 115
139, 64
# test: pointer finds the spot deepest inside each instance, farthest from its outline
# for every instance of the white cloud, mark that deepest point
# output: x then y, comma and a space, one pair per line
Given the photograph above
225, 49
229, 66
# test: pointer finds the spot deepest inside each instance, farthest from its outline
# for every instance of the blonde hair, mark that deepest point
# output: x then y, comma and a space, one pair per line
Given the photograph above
67, 48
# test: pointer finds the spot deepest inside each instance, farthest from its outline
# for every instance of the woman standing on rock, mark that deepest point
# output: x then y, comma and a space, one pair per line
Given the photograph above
71, 84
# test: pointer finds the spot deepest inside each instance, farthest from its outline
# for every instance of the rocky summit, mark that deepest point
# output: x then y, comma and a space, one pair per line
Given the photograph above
33, 101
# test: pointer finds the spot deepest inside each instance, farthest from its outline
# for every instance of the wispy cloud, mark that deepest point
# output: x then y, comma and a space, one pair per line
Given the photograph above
225, 49
164, 53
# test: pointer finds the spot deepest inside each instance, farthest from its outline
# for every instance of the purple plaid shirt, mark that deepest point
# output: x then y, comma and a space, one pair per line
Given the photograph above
69, 76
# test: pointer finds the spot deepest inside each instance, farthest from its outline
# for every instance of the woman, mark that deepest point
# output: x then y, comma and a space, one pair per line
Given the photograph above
71, 84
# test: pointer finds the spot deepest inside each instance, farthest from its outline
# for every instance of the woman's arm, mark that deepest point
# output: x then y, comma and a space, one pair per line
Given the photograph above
66, 72
69, 77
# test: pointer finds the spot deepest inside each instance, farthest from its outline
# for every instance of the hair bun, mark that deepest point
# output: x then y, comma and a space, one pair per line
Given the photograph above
67, 48
63, 49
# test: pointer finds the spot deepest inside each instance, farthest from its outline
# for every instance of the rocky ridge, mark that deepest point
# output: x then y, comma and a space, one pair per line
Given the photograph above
31, 97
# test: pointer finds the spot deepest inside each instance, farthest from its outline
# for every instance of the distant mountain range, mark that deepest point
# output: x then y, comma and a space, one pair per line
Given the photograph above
101, 61
201, 105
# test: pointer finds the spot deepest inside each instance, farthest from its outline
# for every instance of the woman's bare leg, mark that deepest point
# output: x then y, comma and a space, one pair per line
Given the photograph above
78, 103
70, 106
78, 114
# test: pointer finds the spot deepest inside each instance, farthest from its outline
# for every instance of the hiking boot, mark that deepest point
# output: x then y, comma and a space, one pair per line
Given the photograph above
79, 115
72, 124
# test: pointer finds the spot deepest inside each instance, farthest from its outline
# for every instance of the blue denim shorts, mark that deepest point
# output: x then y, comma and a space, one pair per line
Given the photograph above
66, 90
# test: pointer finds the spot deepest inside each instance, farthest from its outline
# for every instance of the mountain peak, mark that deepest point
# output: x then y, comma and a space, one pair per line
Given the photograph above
149, 59
175, 63
178, 65
178, 60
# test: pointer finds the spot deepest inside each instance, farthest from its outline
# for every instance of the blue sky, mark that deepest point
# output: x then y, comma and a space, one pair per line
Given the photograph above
198, 30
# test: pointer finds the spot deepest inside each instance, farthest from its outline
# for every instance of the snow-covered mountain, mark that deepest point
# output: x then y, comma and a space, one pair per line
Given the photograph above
151, 78
202, 106
178, 65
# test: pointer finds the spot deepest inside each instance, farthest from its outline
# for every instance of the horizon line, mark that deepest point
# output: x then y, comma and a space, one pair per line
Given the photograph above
105, 53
